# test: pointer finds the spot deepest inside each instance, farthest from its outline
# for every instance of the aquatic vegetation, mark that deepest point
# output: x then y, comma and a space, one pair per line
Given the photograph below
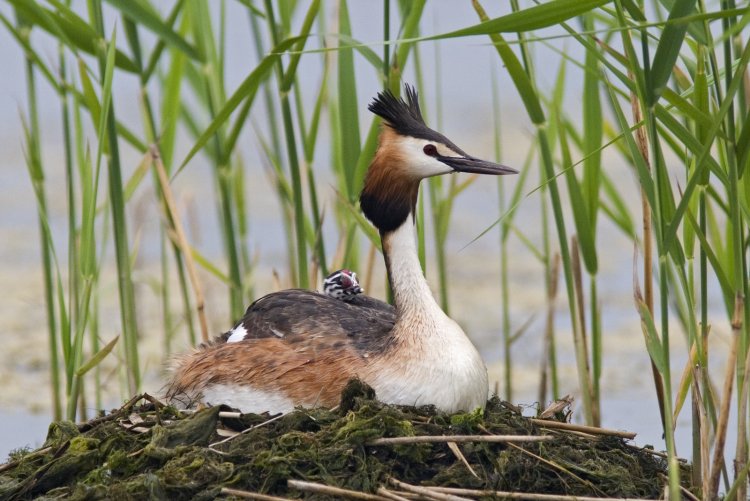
147, 450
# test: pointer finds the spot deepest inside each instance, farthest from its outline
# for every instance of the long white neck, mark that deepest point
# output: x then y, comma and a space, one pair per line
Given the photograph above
412, 296
435, 363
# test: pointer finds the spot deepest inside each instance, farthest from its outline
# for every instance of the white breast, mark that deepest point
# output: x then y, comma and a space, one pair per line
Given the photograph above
447, 372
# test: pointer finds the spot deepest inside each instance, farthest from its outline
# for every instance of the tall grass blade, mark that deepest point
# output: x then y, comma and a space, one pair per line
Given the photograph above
348, 105
533, 18
119, 224
148, 19
246, 90
667, 51
68, 28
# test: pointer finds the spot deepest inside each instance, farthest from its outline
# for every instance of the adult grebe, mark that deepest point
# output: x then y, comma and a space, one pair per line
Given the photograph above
299, 348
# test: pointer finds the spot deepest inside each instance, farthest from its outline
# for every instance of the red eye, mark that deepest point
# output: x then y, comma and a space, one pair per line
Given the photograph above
430, 150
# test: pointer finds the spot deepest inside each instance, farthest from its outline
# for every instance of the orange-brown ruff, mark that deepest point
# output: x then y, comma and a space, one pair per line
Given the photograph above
299, 348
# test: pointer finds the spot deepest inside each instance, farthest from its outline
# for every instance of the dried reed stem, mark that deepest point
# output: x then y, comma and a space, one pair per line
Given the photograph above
523, 495
424, 491
429, 439
247, 430
251, 495
395, 496
705, 448
302, 485
594, 430
453, 446
648, 246
181, 240
726, 392
740, 461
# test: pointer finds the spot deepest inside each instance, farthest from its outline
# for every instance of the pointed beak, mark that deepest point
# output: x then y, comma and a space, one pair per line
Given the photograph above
476, 165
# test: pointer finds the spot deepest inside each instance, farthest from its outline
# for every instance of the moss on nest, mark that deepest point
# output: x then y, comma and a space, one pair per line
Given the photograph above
154, 451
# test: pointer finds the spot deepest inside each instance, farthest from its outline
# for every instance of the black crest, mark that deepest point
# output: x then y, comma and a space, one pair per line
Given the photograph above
405, 117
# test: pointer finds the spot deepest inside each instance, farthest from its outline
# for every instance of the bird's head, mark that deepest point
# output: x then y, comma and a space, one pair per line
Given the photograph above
409, 151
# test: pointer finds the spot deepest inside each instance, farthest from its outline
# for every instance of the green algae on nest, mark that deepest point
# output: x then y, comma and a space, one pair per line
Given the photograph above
158, 452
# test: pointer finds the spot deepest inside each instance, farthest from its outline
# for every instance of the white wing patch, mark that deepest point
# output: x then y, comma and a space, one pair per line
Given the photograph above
238, 334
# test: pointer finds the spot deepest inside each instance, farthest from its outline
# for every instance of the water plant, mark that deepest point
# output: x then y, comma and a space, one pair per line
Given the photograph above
664, 88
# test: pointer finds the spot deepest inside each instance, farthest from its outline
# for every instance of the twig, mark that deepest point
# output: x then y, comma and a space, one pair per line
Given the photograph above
424, 491
558, 405
594, 430
251, 495
386, 493
12, 464
246, 430
302, 485
653, 452
83, 427
523, 495
428, 439
181, 240
460, 455
557, 467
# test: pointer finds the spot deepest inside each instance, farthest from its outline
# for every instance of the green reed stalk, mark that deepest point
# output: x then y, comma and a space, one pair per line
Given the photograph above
310, 140
286, 80
504, 231
522, 79
212, 83
167, 134
73, 254
276, 155
45, 238
119, 224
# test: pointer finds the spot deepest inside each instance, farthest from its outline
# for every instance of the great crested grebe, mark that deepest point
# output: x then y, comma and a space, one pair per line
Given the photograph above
299, 348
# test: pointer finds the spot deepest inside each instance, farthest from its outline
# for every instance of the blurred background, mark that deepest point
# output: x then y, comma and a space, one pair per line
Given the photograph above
479, 252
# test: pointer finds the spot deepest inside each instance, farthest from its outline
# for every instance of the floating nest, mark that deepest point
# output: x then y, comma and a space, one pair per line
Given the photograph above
148, 450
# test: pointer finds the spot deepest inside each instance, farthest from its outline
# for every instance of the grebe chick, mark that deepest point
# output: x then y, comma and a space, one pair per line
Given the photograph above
342, 284
301, 347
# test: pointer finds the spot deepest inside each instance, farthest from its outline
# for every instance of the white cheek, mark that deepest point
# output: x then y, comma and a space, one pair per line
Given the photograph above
420, 164
429, 167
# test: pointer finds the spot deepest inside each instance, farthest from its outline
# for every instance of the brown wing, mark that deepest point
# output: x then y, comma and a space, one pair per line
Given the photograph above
307, 373
301, 344
299, 316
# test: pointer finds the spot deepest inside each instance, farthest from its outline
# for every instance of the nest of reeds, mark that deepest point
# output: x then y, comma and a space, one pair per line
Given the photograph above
362, 448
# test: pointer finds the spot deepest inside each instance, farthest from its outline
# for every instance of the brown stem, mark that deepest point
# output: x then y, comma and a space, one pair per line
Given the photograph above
721, 427
181, 240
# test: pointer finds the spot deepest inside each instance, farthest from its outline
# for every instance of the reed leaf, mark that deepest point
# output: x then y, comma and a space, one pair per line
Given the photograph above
532, 18
246, 90
348, 106
667, 51
69, 28
139, 14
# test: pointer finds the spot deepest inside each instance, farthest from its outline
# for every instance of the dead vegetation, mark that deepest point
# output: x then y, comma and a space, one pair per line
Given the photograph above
148, 450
